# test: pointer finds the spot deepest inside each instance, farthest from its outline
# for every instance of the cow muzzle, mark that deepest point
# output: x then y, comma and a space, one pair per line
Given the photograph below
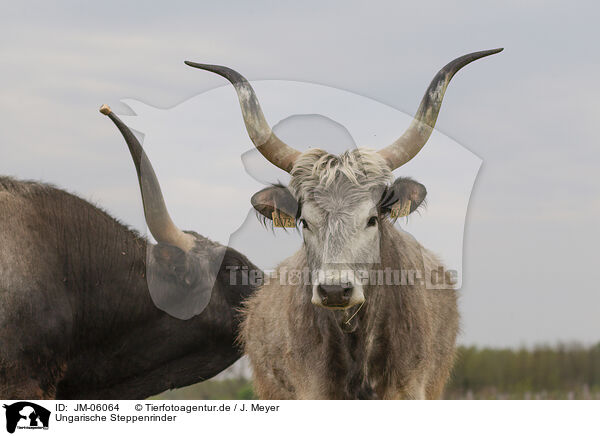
338, 296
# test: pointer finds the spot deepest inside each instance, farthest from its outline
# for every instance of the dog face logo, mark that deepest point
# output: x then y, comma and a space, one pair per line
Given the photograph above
26, 415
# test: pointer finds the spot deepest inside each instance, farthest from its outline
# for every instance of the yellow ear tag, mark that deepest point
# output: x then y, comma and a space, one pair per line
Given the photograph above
403, 210
283, 220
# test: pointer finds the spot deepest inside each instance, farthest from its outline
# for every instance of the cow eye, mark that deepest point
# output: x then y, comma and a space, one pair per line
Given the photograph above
372, 221
304, 224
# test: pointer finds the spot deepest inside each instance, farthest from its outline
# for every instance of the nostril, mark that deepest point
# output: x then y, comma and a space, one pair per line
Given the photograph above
322, 291
347, 289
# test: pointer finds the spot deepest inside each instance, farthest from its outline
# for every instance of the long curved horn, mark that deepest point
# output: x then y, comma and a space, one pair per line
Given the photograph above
157, 216
412, 141
274, 149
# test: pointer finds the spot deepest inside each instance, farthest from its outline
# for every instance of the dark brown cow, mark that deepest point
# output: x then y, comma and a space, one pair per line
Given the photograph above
78, 291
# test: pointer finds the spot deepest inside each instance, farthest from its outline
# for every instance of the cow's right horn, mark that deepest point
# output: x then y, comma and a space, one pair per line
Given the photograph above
274, 149
157, 216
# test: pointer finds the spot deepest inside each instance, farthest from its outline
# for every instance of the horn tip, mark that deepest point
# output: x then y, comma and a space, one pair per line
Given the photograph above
200, 66
105, 109
493, 51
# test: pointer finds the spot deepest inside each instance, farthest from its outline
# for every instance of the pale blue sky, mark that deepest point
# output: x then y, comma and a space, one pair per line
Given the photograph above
530, 113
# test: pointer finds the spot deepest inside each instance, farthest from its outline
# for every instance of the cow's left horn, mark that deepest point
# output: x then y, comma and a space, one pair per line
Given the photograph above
274, 149
410, 143
157, 216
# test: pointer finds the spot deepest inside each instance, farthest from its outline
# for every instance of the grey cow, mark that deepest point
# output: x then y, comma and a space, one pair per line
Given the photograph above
343, 333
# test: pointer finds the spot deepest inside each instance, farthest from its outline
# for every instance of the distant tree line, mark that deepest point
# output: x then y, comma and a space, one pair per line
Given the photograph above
562, 371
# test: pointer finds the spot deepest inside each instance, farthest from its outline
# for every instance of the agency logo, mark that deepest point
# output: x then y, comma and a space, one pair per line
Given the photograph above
26, 415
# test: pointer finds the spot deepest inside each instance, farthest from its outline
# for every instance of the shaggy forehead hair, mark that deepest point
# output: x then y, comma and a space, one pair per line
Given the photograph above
345, 178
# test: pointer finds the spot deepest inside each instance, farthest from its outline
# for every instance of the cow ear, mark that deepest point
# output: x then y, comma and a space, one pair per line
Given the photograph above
276, 203
402, 198
181, 283
175, 263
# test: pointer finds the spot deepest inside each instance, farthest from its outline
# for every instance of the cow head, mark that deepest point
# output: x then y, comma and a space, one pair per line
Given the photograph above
341, 201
